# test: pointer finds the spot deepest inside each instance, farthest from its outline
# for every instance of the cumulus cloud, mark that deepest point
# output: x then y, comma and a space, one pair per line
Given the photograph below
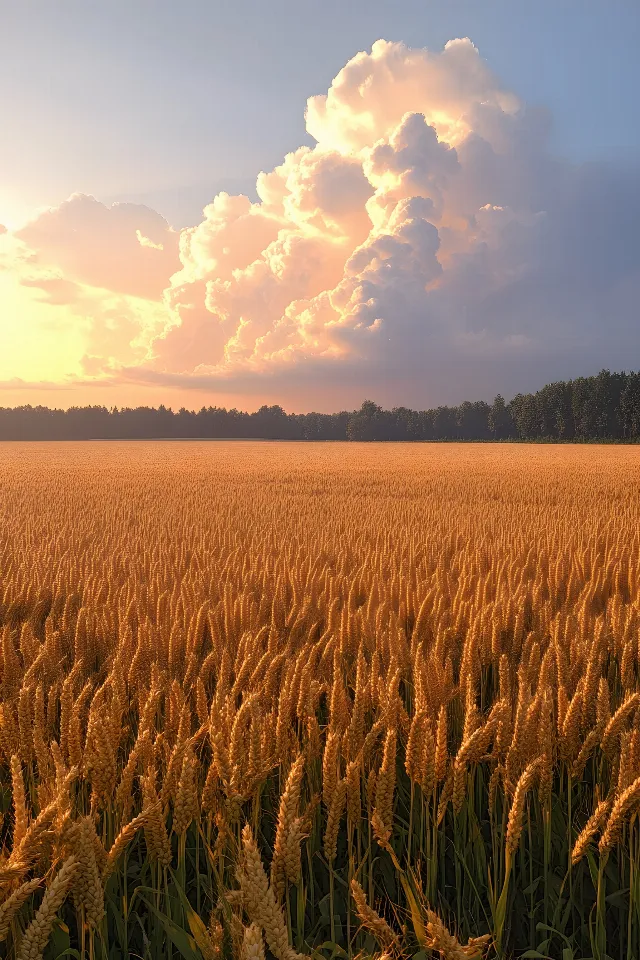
428, 248
126, 248
56, 324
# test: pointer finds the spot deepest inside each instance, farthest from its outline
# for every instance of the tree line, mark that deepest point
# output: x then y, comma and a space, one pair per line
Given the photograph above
603, 407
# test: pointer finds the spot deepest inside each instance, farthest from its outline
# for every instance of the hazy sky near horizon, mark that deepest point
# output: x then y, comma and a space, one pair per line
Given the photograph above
449, 221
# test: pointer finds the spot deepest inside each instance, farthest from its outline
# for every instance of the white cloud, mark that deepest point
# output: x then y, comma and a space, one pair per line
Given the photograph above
125, 248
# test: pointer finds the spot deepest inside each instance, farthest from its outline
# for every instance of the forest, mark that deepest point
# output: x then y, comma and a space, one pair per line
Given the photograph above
605, 407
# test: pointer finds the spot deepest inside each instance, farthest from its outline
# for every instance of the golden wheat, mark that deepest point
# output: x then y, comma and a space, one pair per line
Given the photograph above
335, 644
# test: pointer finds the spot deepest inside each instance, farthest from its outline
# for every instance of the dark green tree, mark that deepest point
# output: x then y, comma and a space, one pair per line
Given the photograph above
500, 420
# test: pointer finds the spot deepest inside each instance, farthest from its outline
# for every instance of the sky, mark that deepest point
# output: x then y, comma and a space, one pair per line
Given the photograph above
239, 203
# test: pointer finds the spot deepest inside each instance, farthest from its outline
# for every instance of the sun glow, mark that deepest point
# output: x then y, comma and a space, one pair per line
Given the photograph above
38, 341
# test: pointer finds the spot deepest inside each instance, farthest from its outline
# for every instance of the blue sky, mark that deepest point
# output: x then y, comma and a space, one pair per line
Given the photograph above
167, 102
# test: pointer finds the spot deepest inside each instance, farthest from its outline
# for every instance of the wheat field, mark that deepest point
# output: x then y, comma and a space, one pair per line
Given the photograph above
325, 700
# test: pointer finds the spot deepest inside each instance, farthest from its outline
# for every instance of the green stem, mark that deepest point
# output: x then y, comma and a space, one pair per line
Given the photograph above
332, 920
547, 858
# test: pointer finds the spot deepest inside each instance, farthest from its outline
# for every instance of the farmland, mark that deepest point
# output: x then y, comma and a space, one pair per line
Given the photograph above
277, 699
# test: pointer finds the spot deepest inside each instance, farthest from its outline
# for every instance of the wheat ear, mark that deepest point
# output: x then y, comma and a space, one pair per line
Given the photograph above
369, 918
37, 933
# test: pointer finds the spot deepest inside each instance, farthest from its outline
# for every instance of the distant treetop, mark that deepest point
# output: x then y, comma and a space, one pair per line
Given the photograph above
604, 407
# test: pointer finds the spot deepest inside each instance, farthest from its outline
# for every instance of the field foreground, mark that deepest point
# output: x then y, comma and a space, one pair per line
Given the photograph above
345, 699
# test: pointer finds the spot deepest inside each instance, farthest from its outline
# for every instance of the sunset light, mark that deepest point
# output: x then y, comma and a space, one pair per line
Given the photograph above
319, 480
